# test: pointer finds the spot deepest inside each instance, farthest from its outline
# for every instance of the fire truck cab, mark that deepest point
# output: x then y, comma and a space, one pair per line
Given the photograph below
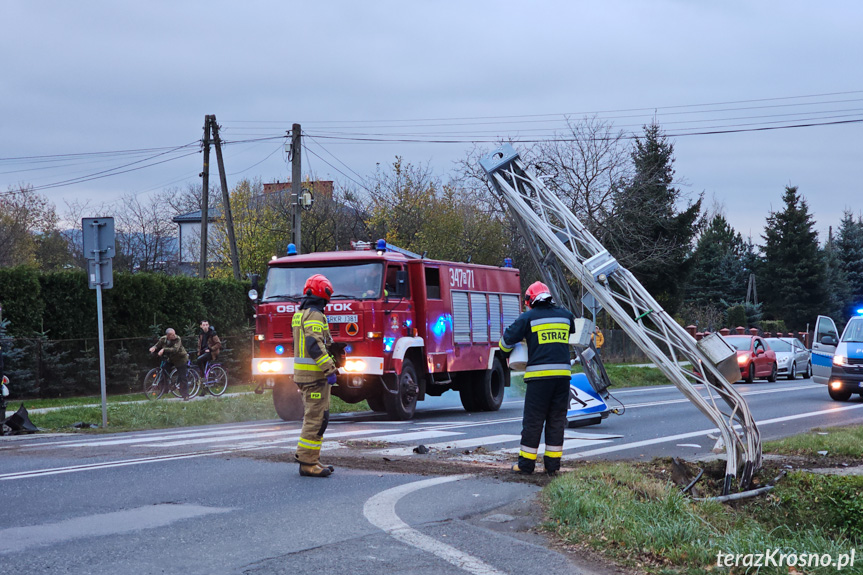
409, 327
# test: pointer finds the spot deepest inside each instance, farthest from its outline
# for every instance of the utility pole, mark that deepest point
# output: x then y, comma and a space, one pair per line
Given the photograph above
296, 188
205, 199
226, 202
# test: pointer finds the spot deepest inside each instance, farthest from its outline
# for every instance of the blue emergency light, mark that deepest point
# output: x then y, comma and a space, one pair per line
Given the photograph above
860, 311
381, 245
280, 349
292, 250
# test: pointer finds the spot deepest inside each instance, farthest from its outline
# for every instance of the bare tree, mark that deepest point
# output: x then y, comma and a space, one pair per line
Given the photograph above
145, 233
586, 166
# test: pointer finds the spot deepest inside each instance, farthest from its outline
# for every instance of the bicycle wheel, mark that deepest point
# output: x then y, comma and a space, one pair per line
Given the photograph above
217, 382
152, 385
192, 377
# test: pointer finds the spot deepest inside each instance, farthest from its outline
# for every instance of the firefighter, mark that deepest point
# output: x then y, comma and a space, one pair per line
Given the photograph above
546, 327
314, 373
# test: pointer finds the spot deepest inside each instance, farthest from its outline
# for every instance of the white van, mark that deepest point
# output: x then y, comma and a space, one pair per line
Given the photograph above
838, 362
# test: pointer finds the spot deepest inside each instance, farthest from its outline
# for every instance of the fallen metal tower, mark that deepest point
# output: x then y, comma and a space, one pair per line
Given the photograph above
684, 361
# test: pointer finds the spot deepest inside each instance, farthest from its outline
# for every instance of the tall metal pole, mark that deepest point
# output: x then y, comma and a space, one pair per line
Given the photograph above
226, 201
296, 188
97, 253
205, 199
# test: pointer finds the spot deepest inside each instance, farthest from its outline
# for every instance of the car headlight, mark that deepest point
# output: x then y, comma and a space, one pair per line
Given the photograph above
839, 360
742, 359
270, 366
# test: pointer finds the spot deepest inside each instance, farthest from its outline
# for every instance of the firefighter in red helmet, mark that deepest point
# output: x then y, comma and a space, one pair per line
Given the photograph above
546, 327
314, 373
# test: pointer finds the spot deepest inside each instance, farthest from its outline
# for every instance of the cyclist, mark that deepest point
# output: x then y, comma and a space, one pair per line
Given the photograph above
209, 346
170, 347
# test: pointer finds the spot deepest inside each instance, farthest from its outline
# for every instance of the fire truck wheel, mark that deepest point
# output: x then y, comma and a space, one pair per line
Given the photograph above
489, 395
401, 406
288, 401
467, 392
376, 403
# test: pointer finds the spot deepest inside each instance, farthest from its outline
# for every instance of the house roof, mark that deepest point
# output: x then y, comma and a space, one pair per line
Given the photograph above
192, 217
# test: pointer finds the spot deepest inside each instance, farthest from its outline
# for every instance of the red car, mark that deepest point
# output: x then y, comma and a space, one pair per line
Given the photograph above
754, 356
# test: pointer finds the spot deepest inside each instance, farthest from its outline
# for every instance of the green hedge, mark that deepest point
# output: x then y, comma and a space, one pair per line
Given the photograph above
60, 305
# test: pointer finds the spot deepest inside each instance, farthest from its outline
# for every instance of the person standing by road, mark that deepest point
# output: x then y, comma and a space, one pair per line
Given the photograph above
314, 373
546, 327
209, 346
170, 347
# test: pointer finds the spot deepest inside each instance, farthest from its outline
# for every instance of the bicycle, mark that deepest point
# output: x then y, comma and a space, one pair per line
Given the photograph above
215, 379
159, 380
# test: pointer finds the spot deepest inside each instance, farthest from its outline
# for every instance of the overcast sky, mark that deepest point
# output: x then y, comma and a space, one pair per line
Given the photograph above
82, 77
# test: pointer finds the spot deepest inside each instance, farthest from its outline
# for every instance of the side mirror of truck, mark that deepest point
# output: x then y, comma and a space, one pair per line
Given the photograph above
401, 284
253, 293
829, 340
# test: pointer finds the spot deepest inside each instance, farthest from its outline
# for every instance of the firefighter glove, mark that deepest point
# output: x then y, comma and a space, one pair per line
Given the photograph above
331, 379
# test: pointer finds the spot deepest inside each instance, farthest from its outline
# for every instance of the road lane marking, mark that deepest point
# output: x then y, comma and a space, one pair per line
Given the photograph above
16, 539
380, 510
412, 436
458, 444
567, 445
744, 394
679, 436
109, 464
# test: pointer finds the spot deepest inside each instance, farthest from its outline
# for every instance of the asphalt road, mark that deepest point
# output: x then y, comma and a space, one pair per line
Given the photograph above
227, 499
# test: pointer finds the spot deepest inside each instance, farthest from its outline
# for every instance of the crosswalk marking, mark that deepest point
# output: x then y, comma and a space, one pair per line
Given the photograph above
413, 436
144, 438
458, 444
567, 445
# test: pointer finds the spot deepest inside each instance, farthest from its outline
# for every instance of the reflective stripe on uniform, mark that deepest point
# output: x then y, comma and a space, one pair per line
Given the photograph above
504, 347
555, 451
309, 444
527, 455
546, 320
548, 373
306, 367
547, 370
322, 360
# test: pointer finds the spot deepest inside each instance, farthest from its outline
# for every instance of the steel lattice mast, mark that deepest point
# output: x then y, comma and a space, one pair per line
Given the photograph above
661, 338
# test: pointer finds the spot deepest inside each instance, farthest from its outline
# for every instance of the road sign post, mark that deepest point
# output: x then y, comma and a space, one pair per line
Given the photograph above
98, 236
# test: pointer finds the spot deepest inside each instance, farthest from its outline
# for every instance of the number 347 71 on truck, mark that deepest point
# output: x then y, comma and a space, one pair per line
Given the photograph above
409, 327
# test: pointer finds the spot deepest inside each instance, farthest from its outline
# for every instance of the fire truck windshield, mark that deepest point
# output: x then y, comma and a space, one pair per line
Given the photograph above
355, 281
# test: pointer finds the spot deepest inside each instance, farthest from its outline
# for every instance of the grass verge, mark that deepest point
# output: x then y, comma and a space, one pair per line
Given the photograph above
163, 414
634, 514
836, 441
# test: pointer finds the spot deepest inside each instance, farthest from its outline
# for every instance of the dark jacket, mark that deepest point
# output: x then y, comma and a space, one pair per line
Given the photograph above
174, 350
546, 329
209, 341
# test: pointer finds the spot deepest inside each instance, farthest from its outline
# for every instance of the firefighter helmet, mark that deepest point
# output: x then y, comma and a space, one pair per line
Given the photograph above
537, 291
318, 286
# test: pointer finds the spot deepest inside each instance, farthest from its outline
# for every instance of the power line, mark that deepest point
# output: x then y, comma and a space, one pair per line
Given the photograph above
559, 114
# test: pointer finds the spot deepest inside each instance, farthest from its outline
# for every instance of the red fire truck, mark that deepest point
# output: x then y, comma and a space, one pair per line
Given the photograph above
409, 327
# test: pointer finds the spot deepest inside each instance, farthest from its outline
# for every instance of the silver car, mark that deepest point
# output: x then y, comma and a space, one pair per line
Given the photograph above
792, 358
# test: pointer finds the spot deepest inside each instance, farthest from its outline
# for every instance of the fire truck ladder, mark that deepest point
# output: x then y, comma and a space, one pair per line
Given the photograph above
663, 340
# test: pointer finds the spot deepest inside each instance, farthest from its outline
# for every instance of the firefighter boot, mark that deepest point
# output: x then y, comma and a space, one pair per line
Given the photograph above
315, 470
552, 465
524, 466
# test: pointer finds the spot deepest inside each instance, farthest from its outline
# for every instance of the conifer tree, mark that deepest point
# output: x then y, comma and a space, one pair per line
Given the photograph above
648, 232
849, 252
793, 272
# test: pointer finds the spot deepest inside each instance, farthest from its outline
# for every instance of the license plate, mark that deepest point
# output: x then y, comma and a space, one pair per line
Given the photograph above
342, 318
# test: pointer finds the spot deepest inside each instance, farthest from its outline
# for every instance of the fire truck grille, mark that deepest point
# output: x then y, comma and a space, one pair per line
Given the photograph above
278, 336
